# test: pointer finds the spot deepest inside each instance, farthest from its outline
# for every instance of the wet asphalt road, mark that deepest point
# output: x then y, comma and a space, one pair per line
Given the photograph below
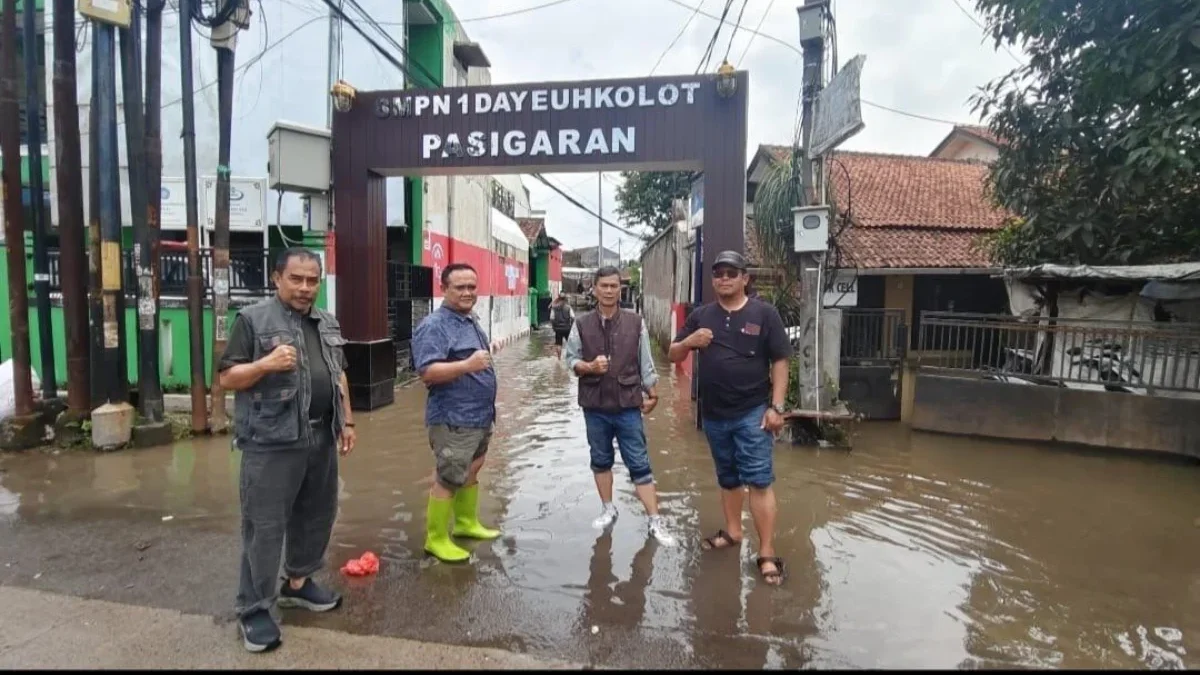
911, 551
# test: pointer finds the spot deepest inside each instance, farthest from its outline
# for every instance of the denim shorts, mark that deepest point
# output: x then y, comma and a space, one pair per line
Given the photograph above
626, 428
742, 451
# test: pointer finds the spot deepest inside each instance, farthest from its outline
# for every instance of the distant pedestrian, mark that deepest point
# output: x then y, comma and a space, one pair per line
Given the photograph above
609, 349
292, 419
452, 355
562, 317
743, 351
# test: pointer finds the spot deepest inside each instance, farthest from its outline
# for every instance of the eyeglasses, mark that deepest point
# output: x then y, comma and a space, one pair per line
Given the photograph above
727, 273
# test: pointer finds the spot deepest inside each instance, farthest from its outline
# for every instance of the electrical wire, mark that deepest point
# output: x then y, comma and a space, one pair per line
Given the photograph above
677, 36
983, 28
754, 33
703, 65
501, 15
431, 80
585, 209
737, 24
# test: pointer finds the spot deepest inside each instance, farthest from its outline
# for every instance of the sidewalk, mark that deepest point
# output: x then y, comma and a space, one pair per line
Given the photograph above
45, 630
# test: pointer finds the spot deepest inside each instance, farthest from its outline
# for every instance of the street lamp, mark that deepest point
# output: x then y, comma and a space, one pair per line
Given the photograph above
726, 81
343, 96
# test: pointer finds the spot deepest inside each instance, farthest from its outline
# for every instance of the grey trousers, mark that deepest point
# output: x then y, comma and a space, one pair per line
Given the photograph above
292, 496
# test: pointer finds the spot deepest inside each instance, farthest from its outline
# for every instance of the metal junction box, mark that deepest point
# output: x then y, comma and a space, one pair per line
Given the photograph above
812, 228
298, 158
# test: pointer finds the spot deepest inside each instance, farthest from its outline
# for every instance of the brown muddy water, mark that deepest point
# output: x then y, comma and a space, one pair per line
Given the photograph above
912, 550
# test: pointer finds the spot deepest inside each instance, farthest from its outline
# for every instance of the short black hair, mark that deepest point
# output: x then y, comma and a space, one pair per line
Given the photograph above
606, 271
304, 254
452, 268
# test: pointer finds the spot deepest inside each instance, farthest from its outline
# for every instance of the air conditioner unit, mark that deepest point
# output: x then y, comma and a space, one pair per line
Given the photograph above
811, 228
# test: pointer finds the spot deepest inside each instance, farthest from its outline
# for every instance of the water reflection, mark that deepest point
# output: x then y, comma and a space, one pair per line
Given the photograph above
910, 551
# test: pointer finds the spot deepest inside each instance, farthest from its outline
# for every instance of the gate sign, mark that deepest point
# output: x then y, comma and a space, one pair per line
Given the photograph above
839, 109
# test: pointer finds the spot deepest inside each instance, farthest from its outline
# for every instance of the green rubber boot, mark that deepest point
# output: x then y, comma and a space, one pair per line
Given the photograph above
437, 539
466, 515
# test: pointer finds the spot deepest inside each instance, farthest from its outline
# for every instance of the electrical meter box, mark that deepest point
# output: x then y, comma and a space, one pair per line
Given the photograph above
115, 12
298, 158
812, 228
812, 21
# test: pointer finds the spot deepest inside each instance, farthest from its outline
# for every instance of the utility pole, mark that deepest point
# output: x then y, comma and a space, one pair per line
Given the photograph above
195, 283
153, 163
37, 204
150, 398
14, 217
600, 218
99, 369
111, 261
810, 263
72, 253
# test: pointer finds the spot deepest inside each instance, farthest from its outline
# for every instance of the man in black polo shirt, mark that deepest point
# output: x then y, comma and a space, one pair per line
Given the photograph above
743, 350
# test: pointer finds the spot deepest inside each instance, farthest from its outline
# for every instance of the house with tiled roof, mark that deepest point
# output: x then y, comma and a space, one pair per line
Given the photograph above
914, 223
966, 141
545, 266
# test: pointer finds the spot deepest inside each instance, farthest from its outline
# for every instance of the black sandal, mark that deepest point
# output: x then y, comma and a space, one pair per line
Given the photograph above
776, 574
710, 543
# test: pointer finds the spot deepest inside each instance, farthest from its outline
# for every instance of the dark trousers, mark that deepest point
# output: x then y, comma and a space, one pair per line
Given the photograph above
292, 496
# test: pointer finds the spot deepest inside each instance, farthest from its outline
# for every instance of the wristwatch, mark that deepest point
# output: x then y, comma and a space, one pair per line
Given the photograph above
777, 408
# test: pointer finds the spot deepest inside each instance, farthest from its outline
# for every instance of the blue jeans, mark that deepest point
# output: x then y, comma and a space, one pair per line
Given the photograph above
626, 428
742, 451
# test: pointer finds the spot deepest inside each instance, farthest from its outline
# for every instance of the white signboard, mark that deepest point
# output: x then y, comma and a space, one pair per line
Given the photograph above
839, 109
247, 203
844, 292
172, 214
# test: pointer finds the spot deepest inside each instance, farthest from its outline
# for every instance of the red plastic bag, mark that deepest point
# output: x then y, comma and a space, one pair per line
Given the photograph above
368, 563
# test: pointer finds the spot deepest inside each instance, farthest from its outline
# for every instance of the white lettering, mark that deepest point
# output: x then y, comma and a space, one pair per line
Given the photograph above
495, 144
441, 104
514, 143
420, 104
624, 97
581, 99
541, 145
538, 102
644, 100
560, 103
475, 144
623, 140
453, 147
502, 104
464, 102
568, 140
668, 94
483, 103
596, 143
690, 88
518, 99
604, 97
429, 143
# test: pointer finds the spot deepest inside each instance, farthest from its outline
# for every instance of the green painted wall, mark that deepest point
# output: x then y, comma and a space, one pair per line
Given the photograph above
426, 45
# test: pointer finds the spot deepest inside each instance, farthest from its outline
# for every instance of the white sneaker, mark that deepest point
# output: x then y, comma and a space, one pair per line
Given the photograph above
606, 518
658, 530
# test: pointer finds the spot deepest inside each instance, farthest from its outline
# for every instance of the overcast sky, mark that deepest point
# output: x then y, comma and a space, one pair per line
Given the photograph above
923, 56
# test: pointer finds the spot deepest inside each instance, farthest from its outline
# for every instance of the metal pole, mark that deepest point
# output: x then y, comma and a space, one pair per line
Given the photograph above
14, 217
153, 146
37, 199
600, 218
111, 259
195, 282
221, 232
95, 283
810, 266
150, 397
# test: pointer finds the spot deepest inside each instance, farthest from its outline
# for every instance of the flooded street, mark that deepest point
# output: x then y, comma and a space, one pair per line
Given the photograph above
911, 551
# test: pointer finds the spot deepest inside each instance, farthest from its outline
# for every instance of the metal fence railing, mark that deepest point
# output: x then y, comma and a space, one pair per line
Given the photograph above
1124, 355
873, 336
249, 271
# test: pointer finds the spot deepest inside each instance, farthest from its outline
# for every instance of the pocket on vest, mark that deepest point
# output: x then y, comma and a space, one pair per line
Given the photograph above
273, 417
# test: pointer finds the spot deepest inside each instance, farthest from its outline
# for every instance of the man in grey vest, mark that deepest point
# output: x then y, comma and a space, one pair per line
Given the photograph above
292, 419
609, 349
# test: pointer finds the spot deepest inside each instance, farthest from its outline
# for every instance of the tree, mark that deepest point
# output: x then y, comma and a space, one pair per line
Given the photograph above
1100, 131
647, 196
776, 196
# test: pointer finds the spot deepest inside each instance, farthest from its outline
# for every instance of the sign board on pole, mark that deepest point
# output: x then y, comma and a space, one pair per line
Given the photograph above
172, 214
839, 109
247, 203
844, 292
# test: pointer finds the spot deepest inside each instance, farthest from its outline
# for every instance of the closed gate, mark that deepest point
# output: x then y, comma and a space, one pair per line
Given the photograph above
874, 342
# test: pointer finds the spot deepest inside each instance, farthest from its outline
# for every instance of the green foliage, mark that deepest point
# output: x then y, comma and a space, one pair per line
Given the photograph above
647, 196
1102, 129
777, 194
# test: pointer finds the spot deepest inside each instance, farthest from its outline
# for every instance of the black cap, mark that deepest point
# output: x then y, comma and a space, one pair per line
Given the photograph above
731, 258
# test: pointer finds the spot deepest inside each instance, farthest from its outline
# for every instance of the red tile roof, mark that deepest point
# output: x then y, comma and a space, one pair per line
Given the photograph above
907, 211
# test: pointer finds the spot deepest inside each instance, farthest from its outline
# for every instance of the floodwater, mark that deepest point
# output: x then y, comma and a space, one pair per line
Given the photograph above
912, 550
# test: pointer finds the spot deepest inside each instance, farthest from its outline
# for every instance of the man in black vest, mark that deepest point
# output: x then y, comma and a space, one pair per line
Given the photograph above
292, 418
561, 320
743, 350
609, 349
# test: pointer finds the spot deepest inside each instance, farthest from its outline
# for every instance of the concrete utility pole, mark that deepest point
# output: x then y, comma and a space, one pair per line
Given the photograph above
99, 369
153, 160
221, 226
14, 217
600, 218
35, 53
72, 251
810, 263
195, 279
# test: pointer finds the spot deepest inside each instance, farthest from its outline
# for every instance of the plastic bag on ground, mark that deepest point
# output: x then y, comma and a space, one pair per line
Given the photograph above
368, 563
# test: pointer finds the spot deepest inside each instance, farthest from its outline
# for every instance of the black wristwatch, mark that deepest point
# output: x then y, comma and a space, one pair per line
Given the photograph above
777, 408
